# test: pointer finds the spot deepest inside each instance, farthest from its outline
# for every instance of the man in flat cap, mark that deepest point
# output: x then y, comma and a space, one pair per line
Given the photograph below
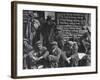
54, 55
70, 55
66, 53
26, 49
39, 56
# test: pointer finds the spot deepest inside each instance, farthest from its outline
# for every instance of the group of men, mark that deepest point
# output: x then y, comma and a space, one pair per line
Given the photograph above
41, 57
51, 51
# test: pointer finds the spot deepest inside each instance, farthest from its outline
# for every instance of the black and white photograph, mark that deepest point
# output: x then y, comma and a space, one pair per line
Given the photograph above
53, 39
56, 39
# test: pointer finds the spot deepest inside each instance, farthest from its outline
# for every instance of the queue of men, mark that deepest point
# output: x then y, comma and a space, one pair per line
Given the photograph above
52, 51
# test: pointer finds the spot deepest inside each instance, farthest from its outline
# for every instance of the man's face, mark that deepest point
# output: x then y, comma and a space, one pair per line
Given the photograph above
69, 46
59, 31
39, 46
36, 24
84, 28
75, 47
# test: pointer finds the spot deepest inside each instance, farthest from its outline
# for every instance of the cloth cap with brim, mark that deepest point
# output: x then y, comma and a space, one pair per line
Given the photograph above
38, 42
49, 17
58, 29
25, 39
54, 43
70, 42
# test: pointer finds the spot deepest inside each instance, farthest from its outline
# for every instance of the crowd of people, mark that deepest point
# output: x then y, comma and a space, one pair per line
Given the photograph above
44, 45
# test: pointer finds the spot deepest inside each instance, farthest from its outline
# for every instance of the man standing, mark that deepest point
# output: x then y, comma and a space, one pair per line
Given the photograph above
47, 31
59, 38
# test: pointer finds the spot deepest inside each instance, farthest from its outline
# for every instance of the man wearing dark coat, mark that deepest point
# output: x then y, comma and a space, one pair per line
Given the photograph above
47, 30
59, 38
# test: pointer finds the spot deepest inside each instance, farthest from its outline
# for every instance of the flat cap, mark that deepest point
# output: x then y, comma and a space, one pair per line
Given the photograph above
54, 43
38, 42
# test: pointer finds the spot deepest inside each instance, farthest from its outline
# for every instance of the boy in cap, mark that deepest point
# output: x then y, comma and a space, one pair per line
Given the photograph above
39, 55
54, 55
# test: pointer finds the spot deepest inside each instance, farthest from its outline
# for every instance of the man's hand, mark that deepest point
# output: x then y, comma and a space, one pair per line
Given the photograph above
68, 59
40, 58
